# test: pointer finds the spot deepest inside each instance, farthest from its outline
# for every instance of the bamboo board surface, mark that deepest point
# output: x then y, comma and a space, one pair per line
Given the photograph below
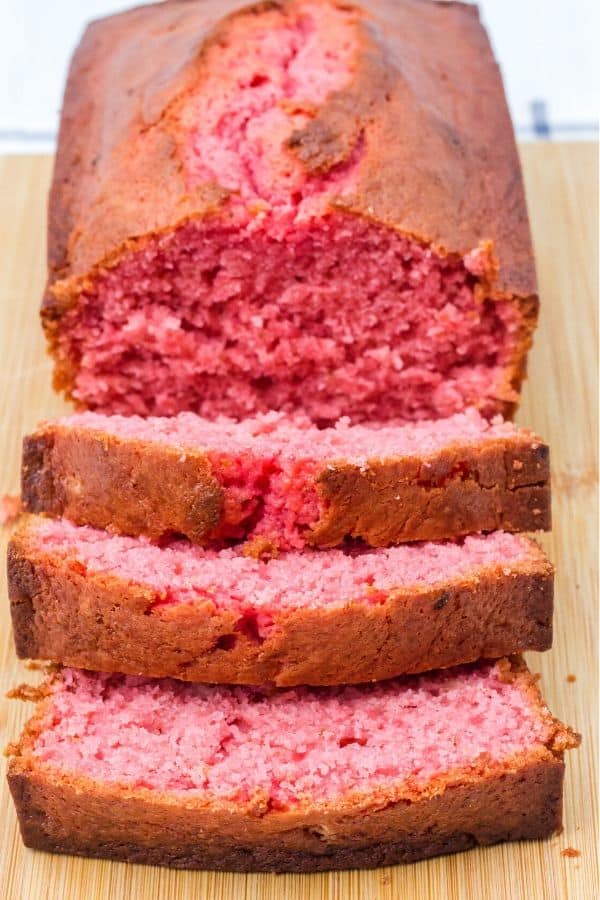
560, 401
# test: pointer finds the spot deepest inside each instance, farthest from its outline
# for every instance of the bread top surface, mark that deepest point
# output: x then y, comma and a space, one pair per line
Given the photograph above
438, 160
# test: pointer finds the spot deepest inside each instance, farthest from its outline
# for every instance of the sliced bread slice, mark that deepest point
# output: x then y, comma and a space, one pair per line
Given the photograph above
281, 482
83, 597
220, 777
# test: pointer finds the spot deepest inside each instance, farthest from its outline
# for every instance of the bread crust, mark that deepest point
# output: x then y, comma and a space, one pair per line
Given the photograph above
503, 485
103, 622
142, 488
119, 180
67, 816
127, 486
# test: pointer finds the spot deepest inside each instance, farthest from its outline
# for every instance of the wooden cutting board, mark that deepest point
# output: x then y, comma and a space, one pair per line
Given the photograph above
560, 402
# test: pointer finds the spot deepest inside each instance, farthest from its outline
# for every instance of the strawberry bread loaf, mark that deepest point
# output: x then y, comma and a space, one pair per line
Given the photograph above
301, 205
279, 483
119, 604
199, 776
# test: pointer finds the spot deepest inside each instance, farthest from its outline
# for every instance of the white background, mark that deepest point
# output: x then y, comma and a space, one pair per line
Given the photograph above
548, 51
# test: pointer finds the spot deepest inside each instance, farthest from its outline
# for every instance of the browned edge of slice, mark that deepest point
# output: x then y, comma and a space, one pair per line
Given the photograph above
132, 487
504, 484
63, 817
145, 488
97, 621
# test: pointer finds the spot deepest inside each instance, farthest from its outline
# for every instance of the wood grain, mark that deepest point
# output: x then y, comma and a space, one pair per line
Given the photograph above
560, 401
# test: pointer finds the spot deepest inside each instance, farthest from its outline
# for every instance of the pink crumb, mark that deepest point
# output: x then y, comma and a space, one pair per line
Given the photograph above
10, 509
183, 573
296, 438
285, 66
290, 745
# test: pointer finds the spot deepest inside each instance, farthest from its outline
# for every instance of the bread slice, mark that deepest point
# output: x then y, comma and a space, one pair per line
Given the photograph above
285, 484
287, 206
251, 779
85, 598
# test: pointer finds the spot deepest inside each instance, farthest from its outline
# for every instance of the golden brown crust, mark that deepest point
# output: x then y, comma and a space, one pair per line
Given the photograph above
133, 487
428, 66
504, 485
138, 487
62, 816
97, 621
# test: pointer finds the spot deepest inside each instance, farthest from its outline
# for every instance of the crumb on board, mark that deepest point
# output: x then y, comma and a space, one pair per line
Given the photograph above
570, 851
40, 665
30, 692
571, 678
385, 879
10, 508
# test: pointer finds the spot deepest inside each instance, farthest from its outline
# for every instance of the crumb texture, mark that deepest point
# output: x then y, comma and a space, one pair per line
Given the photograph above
10, 509
228, 580
295, 438
315, 744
